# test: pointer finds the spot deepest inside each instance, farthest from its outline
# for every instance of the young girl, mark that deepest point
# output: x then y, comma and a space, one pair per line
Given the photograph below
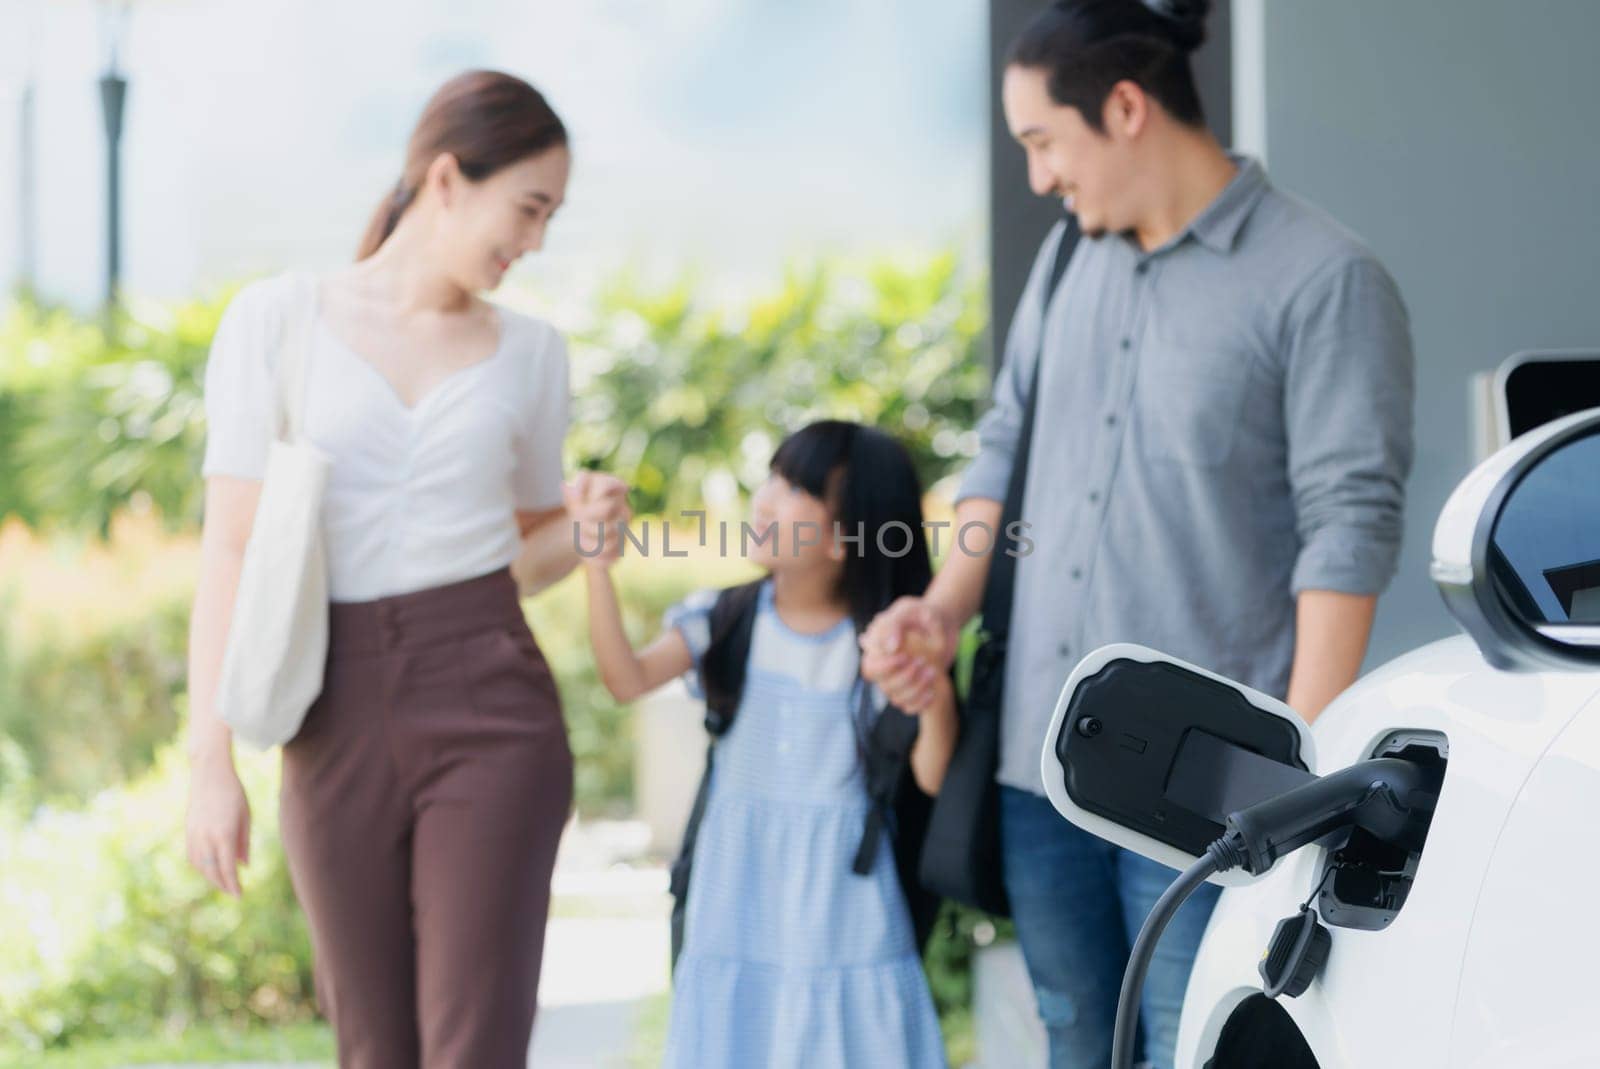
790, 957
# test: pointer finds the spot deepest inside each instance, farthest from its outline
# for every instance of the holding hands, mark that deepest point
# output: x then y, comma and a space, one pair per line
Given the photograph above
907, 651
597, 503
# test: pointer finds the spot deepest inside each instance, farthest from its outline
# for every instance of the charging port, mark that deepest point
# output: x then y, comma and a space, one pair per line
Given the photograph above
1371, 878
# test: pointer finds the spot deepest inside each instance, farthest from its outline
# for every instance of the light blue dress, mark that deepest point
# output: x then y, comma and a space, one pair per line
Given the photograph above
790, 958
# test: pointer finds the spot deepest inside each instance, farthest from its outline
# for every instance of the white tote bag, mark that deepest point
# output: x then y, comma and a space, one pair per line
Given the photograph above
278, 639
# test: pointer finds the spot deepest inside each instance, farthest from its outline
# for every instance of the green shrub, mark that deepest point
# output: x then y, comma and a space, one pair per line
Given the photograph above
92, 424
675, 396
669, 392
104, 928
90, 712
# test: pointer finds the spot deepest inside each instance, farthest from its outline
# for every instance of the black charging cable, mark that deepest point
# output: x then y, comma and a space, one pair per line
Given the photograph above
1226, 853
1385, 795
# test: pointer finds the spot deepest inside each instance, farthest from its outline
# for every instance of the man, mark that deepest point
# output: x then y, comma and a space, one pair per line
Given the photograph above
1222, 438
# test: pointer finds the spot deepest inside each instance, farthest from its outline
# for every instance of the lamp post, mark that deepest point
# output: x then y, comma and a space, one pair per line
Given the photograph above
27, 136
27, 223
113, 96
113, 92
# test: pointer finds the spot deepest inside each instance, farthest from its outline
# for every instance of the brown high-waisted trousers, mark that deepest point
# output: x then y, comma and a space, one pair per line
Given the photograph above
421, 805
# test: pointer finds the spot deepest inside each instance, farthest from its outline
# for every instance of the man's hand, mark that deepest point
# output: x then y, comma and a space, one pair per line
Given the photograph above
906, 651
1331, 631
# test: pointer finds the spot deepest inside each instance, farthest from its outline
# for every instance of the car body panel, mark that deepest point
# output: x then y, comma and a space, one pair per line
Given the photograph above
1388, 997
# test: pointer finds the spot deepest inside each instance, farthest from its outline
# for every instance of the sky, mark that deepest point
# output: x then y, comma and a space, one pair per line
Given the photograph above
726, 136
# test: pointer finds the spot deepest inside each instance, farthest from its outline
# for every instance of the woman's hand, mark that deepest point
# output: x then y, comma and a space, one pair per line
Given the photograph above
217, 827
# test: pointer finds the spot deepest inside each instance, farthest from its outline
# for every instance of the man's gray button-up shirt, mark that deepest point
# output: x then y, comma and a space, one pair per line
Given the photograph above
1222, 423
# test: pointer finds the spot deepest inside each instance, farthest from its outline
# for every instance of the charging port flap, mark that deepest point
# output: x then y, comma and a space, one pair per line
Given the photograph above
1151, 753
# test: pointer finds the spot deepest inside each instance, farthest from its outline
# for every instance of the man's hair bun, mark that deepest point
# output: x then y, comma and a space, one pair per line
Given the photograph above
1186, 20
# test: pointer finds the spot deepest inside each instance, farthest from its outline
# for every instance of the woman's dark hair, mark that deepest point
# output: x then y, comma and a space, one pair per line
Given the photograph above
1087, 46
486, 120
871, 484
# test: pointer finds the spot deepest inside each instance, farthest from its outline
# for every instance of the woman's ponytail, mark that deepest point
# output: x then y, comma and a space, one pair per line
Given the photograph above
385, 219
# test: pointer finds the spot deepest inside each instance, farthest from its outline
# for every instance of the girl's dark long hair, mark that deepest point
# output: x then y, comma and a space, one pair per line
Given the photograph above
871, 484
486, 120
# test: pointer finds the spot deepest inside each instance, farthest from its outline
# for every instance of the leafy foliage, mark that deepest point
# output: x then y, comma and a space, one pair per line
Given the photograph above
687, 403
684, 400
104, 929
92, 424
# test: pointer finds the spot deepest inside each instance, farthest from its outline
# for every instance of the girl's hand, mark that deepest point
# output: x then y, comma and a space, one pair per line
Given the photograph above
597, 503
937, 730
217, 826
939, 694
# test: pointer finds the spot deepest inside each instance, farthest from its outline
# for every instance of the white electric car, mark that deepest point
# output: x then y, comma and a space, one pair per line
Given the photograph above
1454, 891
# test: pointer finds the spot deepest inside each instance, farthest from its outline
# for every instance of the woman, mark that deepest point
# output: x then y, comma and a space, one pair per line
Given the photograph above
424, 795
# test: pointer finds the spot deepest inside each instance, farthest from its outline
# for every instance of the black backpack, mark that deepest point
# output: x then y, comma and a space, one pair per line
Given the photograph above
898, 805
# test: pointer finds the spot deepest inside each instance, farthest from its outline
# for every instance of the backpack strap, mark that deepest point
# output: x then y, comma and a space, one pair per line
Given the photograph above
900, 808
887, 753
678, 874
722, 667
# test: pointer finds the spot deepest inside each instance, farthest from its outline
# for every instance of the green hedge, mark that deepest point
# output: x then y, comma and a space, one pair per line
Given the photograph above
81, 714
669, 391
105, 930
96, 423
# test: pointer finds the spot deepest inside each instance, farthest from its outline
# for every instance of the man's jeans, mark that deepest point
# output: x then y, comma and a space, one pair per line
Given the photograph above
1078, 902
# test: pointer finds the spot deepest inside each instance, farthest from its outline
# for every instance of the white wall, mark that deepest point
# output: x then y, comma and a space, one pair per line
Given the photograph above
1460, 141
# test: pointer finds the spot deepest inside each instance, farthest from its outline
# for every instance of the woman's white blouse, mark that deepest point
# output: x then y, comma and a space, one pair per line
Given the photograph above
418, 497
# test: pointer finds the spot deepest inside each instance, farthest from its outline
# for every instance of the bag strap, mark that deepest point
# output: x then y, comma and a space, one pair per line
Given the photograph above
1001, 584
296, 319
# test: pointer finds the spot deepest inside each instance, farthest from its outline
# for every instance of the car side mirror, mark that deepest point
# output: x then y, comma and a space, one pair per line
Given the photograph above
1516, 551
1152, 753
